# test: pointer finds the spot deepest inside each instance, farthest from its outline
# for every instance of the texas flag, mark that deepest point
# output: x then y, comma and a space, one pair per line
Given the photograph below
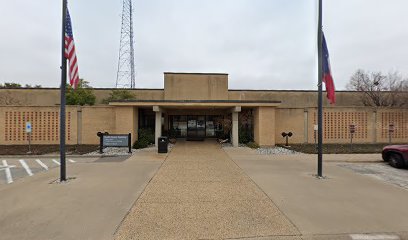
327, 76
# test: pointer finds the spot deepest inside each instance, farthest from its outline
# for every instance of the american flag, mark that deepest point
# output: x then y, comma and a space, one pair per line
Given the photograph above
70, 53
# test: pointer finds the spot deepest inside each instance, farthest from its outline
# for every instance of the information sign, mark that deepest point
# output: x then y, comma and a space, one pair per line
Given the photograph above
28, 128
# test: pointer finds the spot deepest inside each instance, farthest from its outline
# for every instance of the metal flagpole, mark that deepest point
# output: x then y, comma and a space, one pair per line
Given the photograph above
63, 176
320, 96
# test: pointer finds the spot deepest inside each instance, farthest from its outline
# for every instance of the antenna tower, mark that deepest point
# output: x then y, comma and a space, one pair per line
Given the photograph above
125, 77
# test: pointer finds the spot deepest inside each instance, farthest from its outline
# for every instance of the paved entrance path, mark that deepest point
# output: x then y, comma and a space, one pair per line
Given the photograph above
199, 193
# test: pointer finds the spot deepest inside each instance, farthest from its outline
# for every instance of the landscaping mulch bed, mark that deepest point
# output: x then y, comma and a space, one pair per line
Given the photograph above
338, 148
45, 149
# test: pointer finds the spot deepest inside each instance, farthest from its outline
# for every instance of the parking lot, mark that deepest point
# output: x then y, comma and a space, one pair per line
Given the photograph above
381, 171
12, 169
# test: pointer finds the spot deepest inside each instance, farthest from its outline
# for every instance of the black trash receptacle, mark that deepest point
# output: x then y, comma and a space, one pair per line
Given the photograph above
162, 144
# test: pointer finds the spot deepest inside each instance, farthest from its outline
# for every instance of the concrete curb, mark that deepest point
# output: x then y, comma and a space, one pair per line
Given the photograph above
57, 156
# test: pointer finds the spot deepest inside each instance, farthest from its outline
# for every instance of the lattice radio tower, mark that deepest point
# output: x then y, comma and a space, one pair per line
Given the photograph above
125, 77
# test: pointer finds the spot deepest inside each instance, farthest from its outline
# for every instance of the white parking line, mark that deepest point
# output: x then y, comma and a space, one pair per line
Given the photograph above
56, 162
73, 161
8, 172
26, 167
41, 164
374, 237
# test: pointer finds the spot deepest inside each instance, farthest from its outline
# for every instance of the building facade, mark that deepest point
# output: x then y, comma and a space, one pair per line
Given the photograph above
196, 106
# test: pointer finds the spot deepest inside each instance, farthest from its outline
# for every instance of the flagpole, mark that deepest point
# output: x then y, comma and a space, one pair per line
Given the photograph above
320, 96
63, 176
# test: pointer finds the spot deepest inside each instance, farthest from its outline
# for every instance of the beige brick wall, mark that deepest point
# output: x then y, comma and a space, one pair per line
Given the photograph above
126, 121
96, 119
295, 99
203, 89
290, 120
44, 121
195, 86
371, 124
84, 122
397, 117
51, 96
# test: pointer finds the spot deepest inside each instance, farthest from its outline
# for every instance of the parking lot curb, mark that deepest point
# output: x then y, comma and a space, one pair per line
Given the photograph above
57, 156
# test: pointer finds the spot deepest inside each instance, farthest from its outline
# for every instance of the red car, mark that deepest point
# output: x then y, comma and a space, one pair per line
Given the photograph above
396, 155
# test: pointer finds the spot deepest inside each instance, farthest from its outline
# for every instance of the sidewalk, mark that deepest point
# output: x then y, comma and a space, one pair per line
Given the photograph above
88, 207
245, 153
199, 193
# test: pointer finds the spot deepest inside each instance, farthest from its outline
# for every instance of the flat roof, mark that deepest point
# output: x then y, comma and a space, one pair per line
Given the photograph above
161, 89
195, 73
196, 103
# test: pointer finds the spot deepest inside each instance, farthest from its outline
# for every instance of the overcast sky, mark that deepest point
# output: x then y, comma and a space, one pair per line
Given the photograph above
262, 44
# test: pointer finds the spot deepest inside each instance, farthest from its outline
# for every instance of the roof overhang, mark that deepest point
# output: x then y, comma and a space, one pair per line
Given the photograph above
195, 103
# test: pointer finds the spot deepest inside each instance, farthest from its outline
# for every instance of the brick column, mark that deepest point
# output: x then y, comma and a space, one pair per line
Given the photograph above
264, 126
235, 134
158, 126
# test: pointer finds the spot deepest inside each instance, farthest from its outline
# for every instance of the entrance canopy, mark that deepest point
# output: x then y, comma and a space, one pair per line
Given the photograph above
196, 103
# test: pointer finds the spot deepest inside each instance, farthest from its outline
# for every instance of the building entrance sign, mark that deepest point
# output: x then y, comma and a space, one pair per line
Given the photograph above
114, 140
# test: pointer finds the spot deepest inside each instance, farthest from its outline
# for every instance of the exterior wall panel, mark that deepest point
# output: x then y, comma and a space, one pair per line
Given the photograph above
44, 121
195, 87
96, 119
264, 126
290, 120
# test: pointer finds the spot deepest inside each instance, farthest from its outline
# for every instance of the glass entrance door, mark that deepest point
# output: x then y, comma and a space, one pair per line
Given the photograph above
196, 128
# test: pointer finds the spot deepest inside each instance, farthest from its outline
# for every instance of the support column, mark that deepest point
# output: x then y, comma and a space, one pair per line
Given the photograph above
374, 126
235, 123
79, 125
158, 126
306, 125
264, 126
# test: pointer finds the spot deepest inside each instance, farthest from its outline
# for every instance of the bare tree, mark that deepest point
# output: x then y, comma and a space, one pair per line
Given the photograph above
380, 90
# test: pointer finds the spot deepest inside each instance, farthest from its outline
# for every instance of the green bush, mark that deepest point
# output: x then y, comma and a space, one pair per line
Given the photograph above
118, 95
147, 134
244, 135
141, 143
82, 95
146, 137
253, 145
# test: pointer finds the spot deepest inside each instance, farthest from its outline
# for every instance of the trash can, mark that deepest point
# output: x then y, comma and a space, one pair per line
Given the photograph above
163, 145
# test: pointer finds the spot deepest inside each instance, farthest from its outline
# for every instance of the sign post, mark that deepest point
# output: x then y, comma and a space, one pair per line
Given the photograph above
352, 129
390, 131
28, 130
315, 128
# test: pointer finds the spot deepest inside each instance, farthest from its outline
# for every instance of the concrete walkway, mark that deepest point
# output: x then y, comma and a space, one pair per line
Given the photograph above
344, 204
199, 193
88, 207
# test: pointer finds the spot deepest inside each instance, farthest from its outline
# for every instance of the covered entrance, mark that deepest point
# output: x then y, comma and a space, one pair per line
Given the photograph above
189, 108
196, 120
